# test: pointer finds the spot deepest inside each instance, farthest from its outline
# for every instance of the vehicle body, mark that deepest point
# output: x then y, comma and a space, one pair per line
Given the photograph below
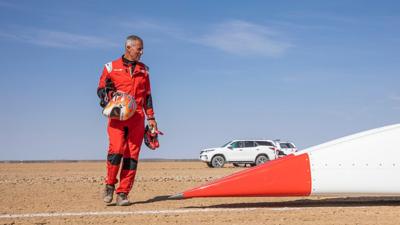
285, 148
253, 152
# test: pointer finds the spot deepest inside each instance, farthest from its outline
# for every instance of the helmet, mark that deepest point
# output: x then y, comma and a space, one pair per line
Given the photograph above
121, 107
151, 137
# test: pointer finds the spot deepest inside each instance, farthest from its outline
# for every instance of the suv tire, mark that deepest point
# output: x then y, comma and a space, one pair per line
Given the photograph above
261, 159
218, 161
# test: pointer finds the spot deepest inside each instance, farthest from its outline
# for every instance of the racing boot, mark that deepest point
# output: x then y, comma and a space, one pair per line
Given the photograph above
108, 193
122, 199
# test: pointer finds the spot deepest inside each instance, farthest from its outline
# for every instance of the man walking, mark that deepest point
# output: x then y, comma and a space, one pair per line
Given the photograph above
130, 76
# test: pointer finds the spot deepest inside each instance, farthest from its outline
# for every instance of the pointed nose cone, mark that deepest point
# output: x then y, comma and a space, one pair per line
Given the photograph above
288, 176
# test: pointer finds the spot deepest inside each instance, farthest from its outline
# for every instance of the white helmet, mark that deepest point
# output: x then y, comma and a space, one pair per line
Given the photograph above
121, 107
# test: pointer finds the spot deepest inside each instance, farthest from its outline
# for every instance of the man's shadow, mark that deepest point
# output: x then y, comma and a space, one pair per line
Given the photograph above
155, 199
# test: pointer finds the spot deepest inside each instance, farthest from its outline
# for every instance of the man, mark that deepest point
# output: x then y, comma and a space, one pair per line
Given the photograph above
126, 74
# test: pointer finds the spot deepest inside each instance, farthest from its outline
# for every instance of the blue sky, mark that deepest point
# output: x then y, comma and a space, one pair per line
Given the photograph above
304, 71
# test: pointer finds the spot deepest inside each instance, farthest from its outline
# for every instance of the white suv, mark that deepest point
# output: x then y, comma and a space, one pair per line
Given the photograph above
285, 148
253, 152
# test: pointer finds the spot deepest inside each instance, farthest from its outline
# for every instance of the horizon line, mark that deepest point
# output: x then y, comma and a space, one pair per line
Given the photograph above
93, 160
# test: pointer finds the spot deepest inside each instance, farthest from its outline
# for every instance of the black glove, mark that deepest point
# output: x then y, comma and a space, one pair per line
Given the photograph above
106, 92
109, 86
103, 103
101, 92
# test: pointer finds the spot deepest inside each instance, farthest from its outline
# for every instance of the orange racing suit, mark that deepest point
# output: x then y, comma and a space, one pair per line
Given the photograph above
125, 137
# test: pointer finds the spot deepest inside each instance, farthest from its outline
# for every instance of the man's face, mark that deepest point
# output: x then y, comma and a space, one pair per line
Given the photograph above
135, 51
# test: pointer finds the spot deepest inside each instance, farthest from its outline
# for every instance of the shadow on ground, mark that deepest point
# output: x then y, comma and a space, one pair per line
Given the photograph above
155, 199
306, 203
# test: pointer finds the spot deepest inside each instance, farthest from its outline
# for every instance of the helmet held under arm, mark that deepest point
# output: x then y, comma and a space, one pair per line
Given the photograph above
122, 106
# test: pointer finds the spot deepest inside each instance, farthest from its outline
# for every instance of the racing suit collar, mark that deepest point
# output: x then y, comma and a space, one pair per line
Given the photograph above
128, 62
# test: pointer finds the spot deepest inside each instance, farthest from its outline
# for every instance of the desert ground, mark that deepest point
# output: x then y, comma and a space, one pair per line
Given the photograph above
70, 193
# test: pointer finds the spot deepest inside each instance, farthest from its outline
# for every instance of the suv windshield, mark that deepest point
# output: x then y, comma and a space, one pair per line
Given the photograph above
226, 144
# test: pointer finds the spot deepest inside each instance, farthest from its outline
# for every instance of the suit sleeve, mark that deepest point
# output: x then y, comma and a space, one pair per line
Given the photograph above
148, 101
103, 77
101, 91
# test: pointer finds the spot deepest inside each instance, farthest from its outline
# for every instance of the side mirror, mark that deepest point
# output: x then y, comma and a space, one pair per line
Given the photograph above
230, 147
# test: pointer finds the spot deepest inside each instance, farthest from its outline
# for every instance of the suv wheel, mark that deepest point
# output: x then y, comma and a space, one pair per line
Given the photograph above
218, 161
209, 165
261, 159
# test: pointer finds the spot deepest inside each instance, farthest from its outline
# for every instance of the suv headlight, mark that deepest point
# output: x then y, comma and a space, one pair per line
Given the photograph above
208, 150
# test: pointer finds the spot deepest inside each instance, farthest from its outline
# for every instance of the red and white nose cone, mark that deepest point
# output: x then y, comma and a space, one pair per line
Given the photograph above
289, 176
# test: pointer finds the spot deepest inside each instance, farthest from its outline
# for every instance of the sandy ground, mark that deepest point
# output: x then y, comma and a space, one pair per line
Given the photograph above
43, 193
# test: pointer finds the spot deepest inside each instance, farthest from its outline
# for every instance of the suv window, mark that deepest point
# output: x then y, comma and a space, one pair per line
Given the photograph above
249, 144
286, 145
283, 145
265, 143
237, 144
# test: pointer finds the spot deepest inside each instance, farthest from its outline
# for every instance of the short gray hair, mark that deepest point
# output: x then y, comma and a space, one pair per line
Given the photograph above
131, 38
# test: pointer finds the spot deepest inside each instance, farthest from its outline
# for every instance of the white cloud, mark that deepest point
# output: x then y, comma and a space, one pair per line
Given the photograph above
244, 38
290, 79
146, 25
321, 16
56, 39
8, 4
159, 28
394, 97
234, 37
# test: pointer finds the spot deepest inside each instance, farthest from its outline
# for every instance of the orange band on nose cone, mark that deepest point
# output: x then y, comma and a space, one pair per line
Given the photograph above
288, 176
